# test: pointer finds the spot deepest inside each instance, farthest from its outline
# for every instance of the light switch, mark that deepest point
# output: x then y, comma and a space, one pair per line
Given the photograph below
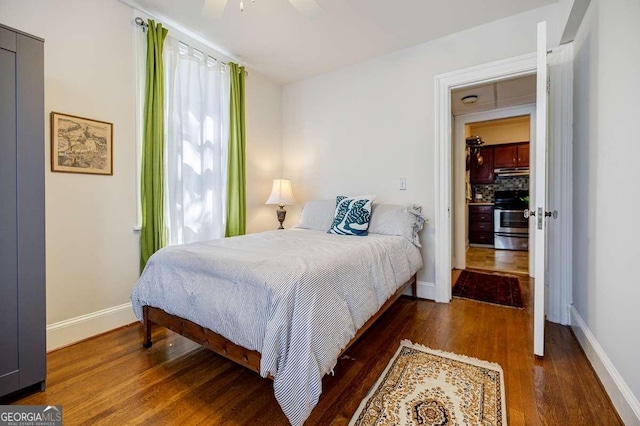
402, 184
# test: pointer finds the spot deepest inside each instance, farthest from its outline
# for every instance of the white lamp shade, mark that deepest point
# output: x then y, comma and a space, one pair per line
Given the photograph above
281, 193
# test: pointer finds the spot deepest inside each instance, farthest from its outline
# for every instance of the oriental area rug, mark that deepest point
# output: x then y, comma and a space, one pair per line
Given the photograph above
489, 288
423, 386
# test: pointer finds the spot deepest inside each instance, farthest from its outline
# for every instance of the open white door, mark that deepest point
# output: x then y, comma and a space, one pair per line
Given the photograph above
540, 207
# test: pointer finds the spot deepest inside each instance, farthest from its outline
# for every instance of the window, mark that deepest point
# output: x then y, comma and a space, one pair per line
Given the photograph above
196, 137
196, 128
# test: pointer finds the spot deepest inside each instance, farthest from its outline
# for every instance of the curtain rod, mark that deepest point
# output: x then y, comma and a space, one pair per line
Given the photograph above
140, 23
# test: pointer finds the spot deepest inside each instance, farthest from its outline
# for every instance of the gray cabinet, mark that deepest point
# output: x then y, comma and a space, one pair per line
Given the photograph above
22, 238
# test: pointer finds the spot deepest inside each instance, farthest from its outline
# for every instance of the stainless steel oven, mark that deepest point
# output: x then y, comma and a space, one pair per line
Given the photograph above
511, 241
510, 221
510, 227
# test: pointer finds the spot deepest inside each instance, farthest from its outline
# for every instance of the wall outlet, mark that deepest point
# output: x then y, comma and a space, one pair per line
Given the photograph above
402, 184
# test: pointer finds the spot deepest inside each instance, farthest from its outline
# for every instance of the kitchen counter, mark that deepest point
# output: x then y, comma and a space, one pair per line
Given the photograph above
480, 204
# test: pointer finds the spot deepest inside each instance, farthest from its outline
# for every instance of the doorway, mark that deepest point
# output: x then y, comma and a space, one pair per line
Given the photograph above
492, 185
445, 83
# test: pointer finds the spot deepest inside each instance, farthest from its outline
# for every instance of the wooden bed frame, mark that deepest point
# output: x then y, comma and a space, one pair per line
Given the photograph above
228, 349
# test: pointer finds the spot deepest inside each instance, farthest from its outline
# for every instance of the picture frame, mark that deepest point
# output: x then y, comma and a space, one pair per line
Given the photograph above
81, 145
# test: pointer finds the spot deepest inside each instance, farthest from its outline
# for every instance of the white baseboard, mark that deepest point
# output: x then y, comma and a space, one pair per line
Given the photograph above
426, 290
73, 330
623, 399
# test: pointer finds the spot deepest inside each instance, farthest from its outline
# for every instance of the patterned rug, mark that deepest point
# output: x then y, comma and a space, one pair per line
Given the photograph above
490, 288
422, 386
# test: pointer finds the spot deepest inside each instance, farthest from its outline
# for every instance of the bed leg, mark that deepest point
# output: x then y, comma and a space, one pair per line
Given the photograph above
414, 289
146, 327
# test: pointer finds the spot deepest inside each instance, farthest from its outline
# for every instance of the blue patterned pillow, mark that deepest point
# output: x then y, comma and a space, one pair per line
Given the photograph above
352, 215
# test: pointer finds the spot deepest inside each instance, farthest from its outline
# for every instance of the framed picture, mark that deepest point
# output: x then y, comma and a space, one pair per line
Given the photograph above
81, 145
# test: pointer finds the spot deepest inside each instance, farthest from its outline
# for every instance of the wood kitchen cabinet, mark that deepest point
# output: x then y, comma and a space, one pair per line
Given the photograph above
511, 155
523, 154
481, 224
482, 173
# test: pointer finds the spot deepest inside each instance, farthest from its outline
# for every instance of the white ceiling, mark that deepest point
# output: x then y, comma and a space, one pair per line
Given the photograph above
272, 37
502, 94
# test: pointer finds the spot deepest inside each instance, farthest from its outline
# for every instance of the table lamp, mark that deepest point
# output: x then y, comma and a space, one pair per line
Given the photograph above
281, 195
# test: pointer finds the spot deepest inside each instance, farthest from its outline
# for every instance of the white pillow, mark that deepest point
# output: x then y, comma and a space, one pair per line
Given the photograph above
317, 215
405, 221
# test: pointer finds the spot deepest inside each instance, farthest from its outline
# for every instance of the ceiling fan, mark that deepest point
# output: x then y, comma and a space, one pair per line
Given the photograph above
215, 8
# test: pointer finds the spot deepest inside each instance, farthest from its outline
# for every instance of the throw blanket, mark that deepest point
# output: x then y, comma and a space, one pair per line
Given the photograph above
296, 296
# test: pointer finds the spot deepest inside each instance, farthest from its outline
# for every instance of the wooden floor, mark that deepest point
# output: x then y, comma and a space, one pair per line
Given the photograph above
112, 380
498, 260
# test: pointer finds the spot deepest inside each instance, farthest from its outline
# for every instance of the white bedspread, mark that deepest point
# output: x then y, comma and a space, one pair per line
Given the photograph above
296, 296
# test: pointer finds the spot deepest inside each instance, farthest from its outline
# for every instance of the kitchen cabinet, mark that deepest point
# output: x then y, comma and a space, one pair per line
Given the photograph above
22, 228
481, 224
511, 155
523, 155
482, 173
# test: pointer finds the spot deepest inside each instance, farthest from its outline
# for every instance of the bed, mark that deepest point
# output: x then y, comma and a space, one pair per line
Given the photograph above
283, 303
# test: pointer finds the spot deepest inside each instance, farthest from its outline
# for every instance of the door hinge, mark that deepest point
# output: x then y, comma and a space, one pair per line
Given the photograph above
548, 84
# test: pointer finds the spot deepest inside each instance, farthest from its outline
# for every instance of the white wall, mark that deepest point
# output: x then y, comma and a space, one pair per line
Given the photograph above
500, 132
92, 251
571, 15
606, 286
358, 129
565, 11
263, 102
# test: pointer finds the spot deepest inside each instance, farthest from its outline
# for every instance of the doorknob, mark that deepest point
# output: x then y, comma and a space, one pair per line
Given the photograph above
531, 213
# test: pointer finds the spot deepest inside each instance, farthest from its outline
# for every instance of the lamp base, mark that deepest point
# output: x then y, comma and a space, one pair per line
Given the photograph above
282, 213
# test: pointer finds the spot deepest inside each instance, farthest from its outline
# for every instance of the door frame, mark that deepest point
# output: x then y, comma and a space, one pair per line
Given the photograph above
561, 131
500, 70
459, 159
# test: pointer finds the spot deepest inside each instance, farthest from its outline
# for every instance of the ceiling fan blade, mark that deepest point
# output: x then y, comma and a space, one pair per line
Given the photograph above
311, 8
214, 8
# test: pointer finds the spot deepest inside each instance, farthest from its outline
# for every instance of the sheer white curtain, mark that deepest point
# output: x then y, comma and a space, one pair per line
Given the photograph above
197, 126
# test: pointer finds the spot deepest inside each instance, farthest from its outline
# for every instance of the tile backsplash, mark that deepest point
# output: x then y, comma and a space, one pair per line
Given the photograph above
501, 183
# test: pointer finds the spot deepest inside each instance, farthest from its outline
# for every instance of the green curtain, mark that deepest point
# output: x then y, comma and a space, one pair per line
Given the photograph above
236, 182
153, 233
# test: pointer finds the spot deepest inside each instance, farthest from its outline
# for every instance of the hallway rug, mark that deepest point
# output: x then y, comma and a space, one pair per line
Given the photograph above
489, 288
423, 386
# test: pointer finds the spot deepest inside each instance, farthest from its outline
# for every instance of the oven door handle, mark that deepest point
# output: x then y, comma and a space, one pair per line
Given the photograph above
505, 234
